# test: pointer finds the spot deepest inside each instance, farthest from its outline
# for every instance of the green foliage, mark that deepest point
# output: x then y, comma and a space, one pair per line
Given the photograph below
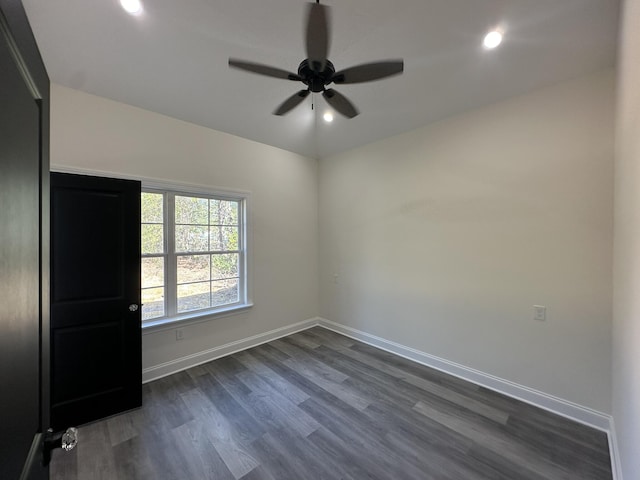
151, 207
201, 225
224, 212
152, 239
192, 238
192, 211
224, 266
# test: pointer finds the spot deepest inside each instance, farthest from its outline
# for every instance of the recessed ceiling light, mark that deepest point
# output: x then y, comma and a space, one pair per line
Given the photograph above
328, 117
492, 39
134, 7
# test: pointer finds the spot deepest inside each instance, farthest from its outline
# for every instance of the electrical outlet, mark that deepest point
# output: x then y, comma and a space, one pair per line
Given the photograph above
335, 278
539, 312
179, 334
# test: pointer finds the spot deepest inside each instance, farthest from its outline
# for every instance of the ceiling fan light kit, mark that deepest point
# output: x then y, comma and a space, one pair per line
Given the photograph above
317, 72
492, 39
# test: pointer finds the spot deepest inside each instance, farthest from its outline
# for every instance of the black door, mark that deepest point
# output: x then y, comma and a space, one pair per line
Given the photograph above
96, 363
24, 113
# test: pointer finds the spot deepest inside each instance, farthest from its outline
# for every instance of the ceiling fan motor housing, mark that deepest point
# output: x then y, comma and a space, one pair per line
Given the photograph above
316, 71
314, 79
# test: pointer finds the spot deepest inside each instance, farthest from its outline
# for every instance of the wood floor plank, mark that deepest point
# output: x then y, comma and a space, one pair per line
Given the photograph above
494, 465
295, 419
296, 457
301, 339
495, 441
246, 428
339, 390
310, 382
265, 404
580, 457
259, 473
433, 463
194, 440
386, 387
364, 438
318, 405
166, 405
122, 427
132, 459
343, 458
64, 464
407, 367
95, 437
290, 391
328, 337
425, 433
166, 460
321, 374
301, 355
221, 434
431, 387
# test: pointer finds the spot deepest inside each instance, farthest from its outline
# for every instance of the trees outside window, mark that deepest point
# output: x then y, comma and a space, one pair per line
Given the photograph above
193, 254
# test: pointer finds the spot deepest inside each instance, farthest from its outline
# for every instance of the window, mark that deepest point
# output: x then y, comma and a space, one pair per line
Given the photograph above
193, 255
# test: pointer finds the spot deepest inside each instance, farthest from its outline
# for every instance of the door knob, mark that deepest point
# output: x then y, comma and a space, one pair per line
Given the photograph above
133, 307
67, 441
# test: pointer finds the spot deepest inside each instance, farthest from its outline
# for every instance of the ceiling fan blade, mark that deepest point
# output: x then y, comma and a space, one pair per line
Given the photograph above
292, 102
340, 103
263, 69
317, 36
369, 72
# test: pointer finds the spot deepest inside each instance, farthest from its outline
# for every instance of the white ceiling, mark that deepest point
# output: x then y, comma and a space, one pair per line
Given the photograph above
172, 59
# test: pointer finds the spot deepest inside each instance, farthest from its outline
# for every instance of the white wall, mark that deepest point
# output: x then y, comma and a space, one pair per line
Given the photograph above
445, 237
626, 307
94, 133
442, 238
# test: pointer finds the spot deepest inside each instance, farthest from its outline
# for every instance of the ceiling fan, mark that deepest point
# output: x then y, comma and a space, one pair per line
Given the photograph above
317, 72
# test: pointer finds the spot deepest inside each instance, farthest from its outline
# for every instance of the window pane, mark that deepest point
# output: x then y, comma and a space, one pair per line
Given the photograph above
152, 303
224, 266
191, 238
152, 239
151, 207
224, 292
203, 276
194, 268
194, 296
152, 272
192, 210
224, 212
224, 238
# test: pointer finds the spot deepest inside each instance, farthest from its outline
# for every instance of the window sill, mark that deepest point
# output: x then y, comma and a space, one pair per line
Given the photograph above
162, 324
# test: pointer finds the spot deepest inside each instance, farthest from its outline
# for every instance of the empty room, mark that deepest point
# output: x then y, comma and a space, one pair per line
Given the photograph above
320, 240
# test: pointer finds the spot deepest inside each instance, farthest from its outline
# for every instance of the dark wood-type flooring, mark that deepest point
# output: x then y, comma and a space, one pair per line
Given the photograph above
318, 405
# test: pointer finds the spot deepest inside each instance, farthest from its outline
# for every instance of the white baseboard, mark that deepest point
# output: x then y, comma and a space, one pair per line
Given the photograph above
543, 400
616, 466
174, 366
559, 406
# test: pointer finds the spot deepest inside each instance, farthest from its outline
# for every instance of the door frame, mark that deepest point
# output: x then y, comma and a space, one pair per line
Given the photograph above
17, 32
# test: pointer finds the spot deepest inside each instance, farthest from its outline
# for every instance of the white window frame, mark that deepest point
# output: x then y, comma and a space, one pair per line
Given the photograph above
171, 317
